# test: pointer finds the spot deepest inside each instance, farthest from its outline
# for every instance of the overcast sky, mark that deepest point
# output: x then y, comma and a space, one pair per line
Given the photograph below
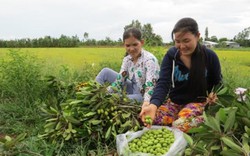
107, 18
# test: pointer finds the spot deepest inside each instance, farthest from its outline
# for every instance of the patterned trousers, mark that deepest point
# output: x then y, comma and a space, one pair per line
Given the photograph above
183, 117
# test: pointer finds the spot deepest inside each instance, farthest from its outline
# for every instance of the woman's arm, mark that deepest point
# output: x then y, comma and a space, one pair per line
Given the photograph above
164, 83
152, 75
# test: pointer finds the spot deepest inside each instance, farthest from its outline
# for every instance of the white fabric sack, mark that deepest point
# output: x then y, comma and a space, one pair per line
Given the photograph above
177, 148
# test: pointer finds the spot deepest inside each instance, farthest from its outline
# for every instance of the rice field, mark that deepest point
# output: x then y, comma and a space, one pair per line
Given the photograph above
73, 57
237, 61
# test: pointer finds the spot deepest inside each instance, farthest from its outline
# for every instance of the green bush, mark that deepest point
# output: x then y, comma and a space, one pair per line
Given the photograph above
21, 88
20, 78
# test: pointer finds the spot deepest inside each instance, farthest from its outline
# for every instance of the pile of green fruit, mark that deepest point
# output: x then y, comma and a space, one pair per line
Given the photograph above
154, 141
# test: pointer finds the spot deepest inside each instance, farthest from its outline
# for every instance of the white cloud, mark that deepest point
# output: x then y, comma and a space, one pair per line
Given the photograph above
37, 18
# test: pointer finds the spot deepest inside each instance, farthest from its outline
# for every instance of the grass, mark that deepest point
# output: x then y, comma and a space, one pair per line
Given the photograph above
234, 61
20, 86
235, 67
74, 57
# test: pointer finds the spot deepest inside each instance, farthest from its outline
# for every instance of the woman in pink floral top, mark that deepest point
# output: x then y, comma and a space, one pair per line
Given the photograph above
139, 71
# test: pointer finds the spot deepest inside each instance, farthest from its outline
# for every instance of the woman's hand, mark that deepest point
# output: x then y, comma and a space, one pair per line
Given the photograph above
148, 110
145, 103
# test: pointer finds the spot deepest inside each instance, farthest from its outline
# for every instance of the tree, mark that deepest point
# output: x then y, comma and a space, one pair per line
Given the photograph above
201, 39
213, 39
147, 33
243, 37
206, 34
223, 39
86, 36
135, 24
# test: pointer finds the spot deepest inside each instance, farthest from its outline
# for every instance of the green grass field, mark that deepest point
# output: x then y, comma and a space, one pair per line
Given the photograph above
73, 57
234, 62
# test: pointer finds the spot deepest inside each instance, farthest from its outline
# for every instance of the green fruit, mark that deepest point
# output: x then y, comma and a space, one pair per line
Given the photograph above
152, 142
148, 120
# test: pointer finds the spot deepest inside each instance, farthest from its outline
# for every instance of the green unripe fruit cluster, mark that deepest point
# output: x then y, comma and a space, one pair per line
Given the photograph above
153, 141
148, 120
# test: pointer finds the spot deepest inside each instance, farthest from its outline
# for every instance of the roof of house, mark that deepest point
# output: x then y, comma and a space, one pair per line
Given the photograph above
210, 42
230, 42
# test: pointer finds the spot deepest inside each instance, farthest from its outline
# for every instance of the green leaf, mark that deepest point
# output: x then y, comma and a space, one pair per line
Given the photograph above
125, 116
20, 137
230, 121
215, 147
221, 115
230, 143
200, 148
216, 124
247, 130
246, 121
95, 122
72, 119
70, 126
222, 91
59, 125
75, 102
199, 129
50, 125
245, 144
212, 123
53, 110
52, 119
107, 135
89, 114
126, 124
188, 139
206, 122
68, 136
229, 153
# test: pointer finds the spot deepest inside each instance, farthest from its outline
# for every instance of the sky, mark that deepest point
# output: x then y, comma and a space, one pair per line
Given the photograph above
107, 18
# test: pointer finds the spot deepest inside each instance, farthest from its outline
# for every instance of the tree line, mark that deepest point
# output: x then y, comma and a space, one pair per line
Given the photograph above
62, 41
242, 38
148, 34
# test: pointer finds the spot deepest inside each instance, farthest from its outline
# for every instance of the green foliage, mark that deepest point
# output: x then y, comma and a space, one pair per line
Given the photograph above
243, 37
17, 117
159, 52
20, 78
8, 145
92, 116
21, 88
224, 133
151, 39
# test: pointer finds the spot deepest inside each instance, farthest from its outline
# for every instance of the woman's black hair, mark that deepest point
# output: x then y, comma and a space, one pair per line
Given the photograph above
186, 25
197, 76
134, 32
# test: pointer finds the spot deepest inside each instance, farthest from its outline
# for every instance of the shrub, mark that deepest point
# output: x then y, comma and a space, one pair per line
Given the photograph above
20, 78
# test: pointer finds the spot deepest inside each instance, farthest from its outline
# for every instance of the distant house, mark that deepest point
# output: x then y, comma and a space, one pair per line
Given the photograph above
231, 44
210, 44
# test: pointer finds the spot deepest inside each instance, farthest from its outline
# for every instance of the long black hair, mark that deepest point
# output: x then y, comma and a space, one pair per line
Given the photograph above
132, 32
197, 84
